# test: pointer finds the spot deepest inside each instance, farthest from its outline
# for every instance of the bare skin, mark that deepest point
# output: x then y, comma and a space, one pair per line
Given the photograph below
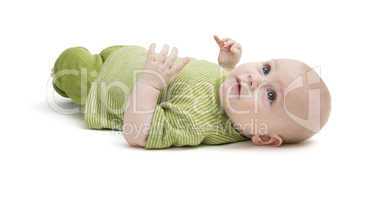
259, 97
229, 52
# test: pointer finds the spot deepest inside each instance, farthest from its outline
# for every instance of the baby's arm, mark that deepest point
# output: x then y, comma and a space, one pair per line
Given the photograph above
229, 52
139, 112
158, 71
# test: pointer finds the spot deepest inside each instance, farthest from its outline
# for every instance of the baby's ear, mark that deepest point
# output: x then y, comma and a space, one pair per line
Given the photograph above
272, 140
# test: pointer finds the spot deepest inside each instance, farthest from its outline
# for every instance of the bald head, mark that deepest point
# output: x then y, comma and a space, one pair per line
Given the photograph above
306, 105
286, 97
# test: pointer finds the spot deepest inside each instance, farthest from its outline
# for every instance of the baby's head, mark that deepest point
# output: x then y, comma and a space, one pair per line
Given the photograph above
276, 102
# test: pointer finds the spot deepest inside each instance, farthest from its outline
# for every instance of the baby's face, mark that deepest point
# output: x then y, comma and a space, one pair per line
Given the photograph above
269, 101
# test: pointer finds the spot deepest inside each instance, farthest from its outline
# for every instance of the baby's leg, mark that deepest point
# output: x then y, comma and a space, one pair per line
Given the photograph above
75, 70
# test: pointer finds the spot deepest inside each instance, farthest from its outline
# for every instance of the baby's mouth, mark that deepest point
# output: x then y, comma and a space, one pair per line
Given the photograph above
242, 88
239, 89
235, 88
238, 82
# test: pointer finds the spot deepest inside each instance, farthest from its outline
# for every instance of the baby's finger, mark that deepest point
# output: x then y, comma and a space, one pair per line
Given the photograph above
177, 67
218, 40
236, 48
172, 57
151, 50
226, 39
229, 43
163, 54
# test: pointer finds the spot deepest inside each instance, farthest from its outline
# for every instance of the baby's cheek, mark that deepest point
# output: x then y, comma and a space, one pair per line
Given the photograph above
244, 106
257, 126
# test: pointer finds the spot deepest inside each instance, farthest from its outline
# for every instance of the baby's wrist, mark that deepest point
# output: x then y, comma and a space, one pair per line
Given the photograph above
150, 83
227, 65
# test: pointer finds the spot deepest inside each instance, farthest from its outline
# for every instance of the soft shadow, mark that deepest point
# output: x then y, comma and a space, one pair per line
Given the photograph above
121, 143
65, 104
239, 146
247, 145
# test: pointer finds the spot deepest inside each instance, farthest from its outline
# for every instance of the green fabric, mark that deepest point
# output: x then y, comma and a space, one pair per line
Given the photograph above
188, 112
75, 66
109, 92
105, 53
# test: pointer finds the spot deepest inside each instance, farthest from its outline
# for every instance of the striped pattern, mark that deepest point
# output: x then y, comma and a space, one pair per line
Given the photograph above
188, 112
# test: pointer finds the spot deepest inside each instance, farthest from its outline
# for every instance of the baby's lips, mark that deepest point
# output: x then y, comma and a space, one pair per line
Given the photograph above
230, 86
246, 92
235, 89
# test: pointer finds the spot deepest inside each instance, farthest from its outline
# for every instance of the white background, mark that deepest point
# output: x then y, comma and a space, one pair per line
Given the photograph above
48, 155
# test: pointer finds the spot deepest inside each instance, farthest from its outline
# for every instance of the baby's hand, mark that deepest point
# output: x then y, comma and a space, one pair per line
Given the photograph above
160, 68
230, 52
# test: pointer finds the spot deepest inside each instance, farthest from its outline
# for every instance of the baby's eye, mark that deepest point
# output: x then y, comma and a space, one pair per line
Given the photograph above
266, 68
271, 95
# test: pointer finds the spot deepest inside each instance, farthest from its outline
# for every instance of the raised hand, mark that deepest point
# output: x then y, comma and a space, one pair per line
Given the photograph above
229, 52
160, 68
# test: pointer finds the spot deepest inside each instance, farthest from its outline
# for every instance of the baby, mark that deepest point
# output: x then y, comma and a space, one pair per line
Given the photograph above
159, 100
